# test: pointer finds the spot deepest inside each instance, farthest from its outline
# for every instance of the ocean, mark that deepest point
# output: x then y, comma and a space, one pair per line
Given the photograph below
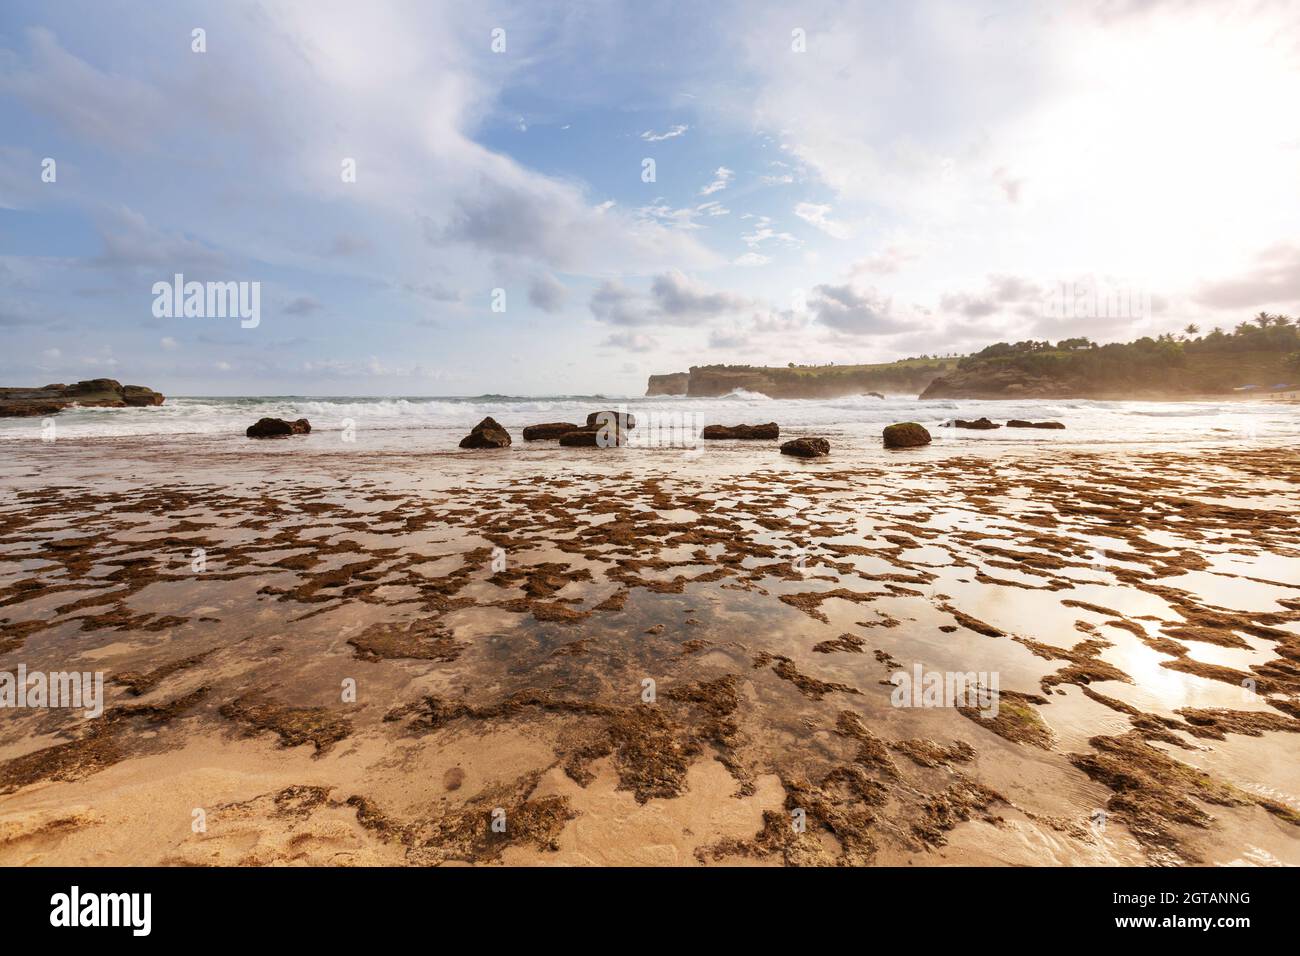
440, 422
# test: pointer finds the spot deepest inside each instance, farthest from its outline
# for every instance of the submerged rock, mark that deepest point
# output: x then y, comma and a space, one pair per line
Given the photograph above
979, 423
1021, 423
806, 447
770, 430
278, 428
905, 435
486, 434
548, 430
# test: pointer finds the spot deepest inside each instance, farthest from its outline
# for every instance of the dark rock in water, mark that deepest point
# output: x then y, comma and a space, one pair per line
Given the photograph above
806, 447
93, 393
875, 395
486, 434
626, 421
979, 423
579, 437
770, 430
596, 436
1021, 423
277, 428
905, 435
548, 430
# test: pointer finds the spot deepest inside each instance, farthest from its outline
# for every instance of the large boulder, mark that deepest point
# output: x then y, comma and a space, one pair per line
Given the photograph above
548, 430
806, 447
277, 428
626, 421
596, 436
486, 434
770, 430
905, 435
981, 424
1021, 423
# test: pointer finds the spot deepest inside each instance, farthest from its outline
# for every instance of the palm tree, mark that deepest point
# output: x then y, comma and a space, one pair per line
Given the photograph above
1263, 320
1192, 328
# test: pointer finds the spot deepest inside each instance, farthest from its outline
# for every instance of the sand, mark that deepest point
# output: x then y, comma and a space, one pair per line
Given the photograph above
585, 657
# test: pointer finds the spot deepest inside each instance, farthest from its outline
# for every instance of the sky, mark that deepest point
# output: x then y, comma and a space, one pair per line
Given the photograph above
537, 198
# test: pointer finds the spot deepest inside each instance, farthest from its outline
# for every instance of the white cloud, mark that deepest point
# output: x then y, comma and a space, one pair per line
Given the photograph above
819, 215
650, 136
763, 231
722, 177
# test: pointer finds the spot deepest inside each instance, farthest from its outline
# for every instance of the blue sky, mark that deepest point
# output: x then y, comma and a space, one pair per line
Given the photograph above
909, 178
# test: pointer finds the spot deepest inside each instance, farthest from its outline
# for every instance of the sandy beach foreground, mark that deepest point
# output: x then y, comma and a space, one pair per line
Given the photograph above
605, 657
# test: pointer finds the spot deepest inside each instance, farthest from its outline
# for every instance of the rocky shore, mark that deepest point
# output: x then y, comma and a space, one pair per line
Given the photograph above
95, 393
501, 621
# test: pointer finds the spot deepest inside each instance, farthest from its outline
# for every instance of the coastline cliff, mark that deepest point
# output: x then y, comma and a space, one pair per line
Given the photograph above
822, 381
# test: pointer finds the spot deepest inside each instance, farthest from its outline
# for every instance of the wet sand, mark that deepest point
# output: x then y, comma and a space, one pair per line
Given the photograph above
1122, 598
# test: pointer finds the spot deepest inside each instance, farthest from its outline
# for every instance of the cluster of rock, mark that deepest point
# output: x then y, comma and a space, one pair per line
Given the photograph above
609, 429
984, 424
605, 429
94, 393
278, 428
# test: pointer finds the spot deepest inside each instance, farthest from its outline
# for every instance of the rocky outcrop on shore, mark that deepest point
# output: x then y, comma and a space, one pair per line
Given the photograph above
905, 435
486, 434
278, 428
746, 432
979, 424
806, 447
94, 393
1021, 423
